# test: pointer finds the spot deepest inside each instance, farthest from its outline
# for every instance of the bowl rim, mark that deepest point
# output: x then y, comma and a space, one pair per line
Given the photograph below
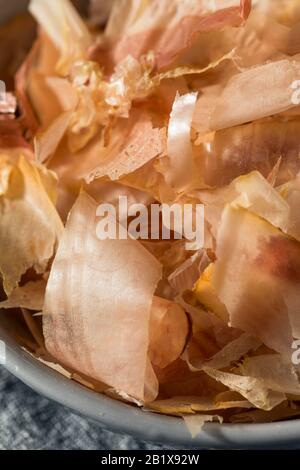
127, 419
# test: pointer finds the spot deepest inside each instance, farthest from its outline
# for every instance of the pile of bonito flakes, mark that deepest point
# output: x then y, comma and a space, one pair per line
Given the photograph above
167, 102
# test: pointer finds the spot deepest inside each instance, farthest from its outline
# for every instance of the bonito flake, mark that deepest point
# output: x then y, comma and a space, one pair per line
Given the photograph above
159, 103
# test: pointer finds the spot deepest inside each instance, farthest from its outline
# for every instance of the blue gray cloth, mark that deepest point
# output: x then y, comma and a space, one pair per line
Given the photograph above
29, 421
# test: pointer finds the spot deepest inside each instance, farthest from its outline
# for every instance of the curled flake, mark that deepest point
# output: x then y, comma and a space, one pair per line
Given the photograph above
168, 332
233, 351
254, 390
240, 150
278, 374
167, 28
179, 165
30, 296
46, 143
236, 103
185, 276
255, 277
144, 143
84, 328
64, 26
251, 192
26, 202
196, 422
